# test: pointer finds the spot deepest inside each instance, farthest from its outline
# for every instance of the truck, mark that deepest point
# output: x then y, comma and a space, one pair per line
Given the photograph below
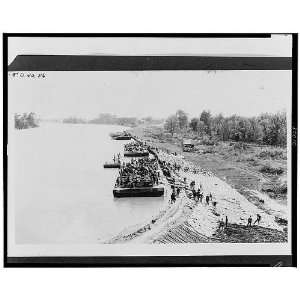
188, 146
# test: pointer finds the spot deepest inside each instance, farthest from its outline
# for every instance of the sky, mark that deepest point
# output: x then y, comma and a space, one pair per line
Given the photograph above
151, 93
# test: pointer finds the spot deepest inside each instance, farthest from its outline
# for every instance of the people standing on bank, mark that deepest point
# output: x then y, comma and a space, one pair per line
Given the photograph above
249, 222
207, 199
221, 225
194, 194
201, 196
173, 197
198, 194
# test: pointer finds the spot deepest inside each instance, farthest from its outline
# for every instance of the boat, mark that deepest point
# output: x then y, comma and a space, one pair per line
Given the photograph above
111, 165
136, 153
154, 191
122, 137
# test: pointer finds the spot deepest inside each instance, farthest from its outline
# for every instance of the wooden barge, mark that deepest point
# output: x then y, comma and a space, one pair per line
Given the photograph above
122, 137
112, 165
154, 191
136, 154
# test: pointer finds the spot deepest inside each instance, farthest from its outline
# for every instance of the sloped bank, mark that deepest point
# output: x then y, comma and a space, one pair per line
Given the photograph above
190, 221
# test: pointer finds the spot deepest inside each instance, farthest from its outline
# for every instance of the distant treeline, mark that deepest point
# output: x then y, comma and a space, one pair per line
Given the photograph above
26, 120
74, 120
269, 129
114, 120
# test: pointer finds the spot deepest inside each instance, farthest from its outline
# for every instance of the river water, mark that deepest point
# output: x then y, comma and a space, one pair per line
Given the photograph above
62, 193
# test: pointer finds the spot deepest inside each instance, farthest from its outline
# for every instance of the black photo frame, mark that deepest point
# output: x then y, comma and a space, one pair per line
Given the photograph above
156, 63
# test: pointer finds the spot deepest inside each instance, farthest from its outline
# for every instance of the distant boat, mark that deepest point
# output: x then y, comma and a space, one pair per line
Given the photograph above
120, 136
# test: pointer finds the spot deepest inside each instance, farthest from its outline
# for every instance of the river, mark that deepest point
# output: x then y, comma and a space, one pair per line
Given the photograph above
62, 193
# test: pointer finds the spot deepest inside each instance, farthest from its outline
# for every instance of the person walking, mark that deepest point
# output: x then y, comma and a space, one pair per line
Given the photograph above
221, 225
198, 194
194, 193
173, 197
201, 196
207, 200
258, 218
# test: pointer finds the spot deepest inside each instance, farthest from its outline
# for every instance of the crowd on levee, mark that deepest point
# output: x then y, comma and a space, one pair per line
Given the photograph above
138, 173
135, 147
171, 164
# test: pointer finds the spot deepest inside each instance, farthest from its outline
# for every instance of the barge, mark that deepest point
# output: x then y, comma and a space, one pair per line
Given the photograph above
136, 153
154, 191
112, 165
120, 136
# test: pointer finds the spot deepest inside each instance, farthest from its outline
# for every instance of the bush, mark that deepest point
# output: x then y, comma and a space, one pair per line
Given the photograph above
209, 150
240, 146
272, 153
271, 170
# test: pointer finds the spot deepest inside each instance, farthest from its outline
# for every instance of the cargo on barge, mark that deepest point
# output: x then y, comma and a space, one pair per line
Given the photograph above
139, 178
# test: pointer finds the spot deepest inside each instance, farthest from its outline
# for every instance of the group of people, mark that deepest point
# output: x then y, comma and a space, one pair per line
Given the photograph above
139, 173
170, 164
258, 219
117, 159
223, 225
135, 147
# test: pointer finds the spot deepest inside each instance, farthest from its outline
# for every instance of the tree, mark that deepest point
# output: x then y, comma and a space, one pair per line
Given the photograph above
219, 126
26, 120
172, 124
194, 124
182, 119
205, 117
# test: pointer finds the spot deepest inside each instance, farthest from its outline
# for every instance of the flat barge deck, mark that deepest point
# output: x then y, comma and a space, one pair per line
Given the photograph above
122, 137
112, 165
136, 153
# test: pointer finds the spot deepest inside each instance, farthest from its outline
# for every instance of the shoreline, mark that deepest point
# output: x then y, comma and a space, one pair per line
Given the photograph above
190, 221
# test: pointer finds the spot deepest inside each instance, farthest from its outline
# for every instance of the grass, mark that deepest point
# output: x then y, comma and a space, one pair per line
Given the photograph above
273, 170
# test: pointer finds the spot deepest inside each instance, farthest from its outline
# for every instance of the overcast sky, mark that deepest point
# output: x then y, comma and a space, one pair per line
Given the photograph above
151, 93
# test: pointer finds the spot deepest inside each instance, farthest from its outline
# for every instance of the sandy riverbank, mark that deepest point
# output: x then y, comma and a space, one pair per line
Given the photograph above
191, 221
